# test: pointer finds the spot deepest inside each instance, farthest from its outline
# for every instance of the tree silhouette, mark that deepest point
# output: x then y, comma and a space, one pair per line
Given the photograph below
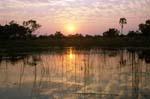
1, 31
133, 34
58, 35
14, 30
145, 28
75, 36
111, 33
122, 21
32, 25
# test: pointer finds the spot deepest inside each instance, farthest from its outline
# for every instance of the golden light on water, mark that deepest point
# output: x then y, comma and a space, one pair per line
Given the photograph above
71, 54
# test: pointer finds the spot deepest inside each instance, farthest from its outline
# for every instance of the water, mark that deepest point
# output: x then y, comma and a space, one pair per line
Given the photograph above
76, 74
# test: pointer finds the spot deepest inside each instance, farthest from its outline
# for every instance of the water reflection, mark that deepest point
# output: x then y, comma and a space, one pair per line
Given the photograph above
145, 55
71, 54
76, 74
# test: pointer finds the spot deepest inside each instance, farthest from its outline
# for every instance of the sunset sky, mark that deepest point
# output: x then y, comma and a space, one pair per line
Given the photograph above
76, 16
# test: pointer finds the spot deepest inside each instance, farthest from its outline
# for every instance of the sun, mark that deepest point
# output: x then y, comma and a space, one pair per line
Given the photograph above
70, 28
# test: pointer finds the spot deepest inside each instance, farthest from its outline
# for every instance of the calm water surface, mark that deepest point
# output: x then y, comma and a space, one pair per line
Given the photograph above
76, 74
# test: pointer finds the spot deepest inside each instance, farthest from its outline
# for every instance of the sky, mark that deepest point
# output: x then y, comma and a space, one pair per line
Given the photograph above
86, 16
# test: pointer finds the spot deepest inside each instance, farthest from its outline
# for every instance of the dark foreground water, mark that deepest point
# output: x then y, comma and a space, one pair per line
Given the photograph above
76, 74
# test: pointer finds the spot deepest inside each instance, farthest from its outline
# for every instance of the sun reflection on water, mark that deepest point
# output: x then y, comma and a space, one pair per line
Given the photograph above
77, 74
71, 54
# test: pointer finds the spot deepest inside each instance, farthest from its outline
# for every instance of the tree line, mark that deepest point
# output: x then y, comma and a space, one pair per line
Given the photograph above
143, 31
13, 30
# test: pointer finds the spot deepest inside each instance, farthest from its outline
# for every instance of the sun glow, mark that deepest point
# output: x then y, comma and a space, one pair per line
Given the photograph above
70, 28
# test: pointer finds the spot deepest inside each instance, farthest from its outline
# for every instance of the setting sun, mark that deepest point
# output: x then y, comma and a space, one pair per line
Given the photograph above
70, 28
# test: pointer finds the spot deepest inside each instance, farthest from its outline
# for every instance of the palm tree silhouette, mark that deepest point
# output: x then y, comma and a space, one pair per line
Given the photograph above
122, 21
